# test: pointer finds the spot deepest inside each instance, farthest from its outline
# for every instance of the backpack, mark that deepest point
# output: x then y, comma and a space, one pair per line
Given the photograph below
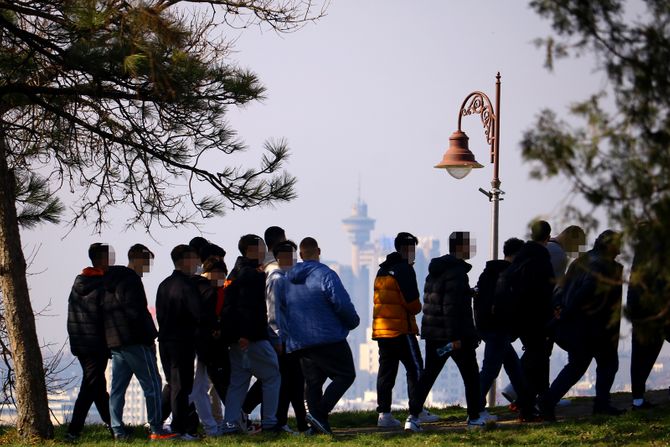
508, 297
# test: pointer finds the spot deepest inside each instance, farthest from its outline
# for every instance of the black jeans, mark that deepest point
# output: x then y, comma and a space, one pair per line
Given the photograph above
644, 352
392, 351
466, 361
607, 360
537, 347
292, 392
177, 358
214, 354
333, 361
93, 389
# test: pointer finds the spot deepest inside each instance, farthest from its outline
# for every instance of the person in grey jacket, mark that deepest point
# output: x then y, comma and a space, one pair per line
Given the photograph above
316, 316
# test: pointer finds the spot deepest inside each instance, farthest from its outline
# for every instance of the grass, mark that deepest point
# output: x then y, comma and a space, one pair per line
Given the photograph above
358, 429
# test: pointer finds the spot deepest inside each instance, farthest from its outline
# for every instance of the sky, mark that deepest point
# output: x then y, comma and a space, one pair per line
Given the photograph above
367, 98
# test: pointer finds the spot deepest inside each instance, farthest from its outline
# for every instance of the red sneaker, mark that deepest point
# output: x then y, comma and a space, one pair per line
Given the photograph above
163, 436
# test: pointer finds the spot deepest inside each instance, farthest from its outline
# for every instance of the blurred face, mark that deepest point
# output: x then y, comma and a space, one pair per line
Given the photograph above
286, 259
256, 251
190, 264
217, 277
142, 264
408, 252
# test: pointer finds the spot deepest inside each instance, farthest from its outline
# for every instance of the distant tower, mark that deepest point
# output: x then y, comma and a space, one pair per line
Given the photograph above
358, 226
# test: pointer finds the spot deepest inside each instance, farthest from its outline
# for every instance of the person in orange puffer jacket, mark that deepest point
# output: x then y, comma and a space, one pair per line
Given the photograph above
396, 302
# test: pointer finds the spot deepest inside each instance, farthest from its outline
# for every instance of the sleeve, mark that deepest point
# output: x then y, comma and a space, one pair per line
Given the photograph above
340, 300
274, 287
406, 278
131, 296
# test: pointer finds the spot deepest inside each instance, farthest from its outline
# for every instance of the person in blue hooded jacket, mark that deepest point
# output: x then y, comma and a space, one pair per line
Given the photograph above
316, 316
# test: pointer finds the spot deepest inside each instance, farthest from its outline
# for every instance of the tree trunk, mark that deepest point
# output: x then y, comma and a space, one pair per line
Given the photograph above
30, 387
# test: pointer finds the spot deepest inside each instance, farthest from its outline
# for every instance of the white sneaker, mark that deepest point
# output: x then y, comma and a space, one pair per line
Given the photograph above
387, 420
564, 403
412, 424
287, 429
488, 417
480, 422
427, 416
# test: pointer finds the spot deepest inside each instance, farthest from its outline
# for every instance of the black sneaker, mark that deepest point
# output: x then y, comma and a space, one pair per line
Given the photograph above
546, 410
607, 410
319, 424
71, 437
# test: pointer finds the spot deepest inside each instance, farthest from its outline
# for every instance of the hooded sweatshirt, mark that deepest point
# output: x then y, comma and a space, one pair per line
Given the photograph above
485, 297
84, 314
447, 308
316, 309
244, 311
126, 317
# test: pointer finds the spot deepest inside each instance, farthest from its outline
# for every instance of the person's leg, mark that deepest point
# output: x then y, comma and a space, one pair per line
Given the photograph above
315, 377
93, 388
142, 361
296, 392
284, 391
338, 364
254, 397
495, 347
410, 356
466, 361
200, 399
578, 363
514, 371
388, 370
121, 375
237, 389
219, 374
181, 384
166, 394
264, 365
607, 361
535, 361
644, 352
434, 364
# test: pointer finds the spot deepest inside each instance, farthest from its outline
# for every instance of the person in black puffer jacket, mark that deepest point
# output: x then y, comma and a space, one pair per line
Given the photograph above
130, 333
447, 319
87, 338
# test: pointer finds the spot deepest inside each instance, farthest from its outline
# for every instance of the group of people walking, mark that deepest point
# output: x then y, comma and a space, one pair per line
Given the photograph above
282, 323
286, 324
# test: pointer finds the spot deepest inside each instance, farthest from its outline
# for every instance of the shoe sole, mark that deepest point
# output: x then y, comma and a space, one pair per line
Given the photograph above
317, 425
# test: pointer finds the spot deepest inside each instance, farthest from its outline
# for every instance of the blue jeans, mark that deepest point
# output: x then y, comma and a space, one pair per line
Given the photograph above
141, 361
499, 352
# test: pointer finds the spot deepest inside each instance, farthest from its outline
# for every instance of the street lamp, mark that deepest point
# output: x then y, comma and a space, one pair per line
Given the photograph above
459, 161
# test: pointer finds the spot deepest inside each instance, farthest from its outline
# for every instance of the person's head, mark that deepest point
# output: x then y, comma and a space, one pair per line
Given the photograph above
101, 255
608, 244
285, 254
572, 239
214, 269
185, 259
540, 231
273, 236
460, 244
405, 244
197, 243
140, 259
511, 247
252, 247
309, 249
210, 250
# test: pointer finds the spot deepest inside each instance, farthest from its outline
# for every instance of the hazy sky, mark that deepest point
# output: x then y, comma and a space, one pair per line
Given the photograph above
369, 92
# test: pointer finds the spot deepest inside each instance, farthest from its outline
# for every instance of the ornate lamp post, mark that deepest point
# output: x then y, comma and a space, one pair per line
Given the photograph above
459, 161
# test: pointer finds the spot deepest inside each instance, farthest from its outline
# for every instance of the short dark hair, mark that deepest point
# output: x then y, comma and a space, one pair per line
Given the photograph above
97, 251
211, 250
284, 247
213, 263
540, 230
198, 242
138, 251
458, 238
512, 246
181, 251
247, 241
404, 238
273, 235
607, 239
309, 246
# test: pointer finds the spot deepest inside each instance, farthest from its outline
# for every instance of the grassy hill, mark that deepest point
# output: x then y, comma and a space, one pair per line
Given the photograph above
576, 426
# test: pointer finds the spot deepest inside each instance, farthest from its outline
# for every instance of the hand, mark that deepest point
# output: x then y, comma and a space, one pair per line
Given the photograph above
243, 343
279, 349
456, 344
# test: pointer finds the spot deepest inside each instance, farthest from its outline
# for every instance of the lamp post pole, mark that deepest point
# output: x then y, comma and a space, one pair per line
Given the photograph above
459, 161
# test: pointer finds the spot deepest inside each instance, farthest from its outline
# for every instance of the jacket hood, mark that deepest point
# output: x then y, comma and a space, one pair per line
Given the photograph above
391, 260
448, 262
85, 284
114, 275
299, 273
